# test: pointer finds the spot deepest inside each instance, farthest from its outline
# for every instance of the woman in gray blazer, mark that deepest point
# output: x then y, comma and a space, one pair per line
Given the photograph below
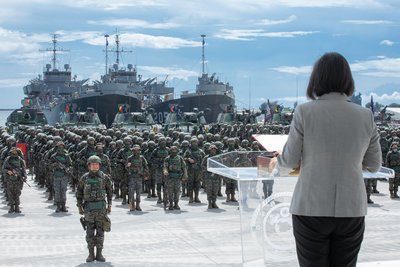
334, 141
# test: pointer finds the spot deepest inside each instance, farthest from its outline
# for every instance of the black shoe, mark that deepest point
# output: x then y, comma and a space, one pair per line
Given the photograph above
99, 256
369, 201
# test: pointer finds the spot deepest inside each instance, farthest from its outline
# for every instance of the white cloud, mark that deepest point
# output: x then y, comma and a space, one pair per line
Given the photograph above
300, 99
366, 22
134, 24
380, 67
294, 70
383, 99
112, 4
387, 42
275, 22
248, 35
172, 72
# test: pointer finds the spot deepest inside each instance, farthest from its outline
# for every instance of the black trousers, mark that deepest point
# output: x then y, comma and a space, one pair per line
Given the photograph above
327, 241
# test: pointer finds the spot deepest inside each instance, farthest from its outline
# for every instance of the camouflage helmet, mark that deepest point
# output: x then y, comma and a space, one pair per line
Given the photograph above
127, 139
213, 147
11, 140
194, 140
173, 149
119, 142
100, 144
151, 143
185, 143
231, 140
136, 147
94, 159
162, 139
59, 143
91, 139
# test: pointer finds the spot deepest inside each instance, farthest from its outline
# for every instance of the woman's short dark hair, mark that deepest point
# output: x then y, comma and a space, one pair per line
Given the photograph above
331, 73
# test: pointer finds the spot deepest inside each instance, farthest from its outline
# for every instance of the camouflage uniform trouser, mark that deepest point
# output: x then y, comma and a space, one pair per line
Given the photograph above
230, 186
124, 182
194, 177
268, 186
368, 187
60, 188
173, 189
14, 187
151, 182
117, 180
212, 186
135, 187
394, 184
95, 220
159, 178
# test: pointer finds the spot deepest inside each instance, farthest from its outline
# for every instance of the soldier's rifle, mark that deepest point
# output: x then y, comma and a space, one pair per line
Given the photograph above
20, 174
62, 166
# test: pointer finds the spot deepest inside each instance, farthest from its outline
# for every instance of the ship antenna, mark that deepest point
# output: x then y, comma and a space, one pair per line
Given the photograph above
117, 41
203, 43
106, 51
54, 49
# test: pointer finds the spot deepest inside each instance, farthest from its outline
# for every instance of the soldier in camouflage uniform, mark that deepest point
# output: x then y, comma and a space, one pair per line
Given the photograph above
211, 180
15, 174
105, 165
193, 158
61, 163
185, 146
137, 170
118, 169
151, 184
230, 184
175, 172
157, 162
393, 162
122, 159
92, 190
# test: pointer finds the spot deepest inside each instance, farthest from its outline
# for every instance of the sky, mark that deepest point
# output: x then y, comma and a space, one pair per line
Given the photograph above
265, 49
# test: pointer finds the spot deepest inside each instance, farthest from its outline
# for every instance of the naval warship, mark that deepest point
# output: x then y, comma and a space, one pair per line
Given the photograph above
56, 90
211, 95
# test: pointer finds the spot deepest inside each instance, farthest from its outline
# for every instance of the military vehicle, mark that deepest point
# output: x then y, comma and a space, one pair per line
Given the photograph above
27, 116
87, 119
233, 116
185, 121
135, 120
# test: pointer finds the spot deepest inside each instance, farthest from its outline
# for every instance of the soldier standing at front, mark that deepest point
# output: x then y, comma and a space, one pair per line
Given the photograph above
93, 189
61, 163
137, 171
15, 174
175, 172
393, 162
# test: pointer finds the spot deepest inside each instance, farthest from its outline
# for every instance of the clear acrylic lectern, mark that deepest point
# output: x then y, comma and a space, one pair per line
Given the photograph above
266, 225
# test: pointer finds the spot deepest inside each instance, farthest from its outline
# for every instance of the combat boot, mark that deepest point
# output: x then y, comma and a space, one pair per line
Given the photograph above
183, 192
63, 208
374, 190
190, 196
369, 201
131, 206
391, 194
219, 192
138, 206
51, 196
159, 200
196, 198
214, 205
395, 194
228, 197
171, 206
176, 206
99, 256
91, 257
123, 200
210, 204
149, 194
233, 199
58, 207
11, 210
153, 194
17, 210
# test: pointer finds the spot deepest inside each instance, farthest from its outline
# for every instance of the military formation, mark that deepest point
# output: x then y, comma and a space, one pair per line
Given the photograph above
128, 164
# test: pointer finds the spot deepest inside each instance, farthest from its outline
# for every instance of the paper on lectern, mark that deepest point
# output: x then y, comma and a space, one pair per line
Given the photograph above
271, 142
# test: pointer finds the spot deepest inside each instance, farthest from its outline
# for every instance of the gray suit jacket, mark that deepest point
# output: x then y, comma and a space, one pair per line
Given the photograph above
334, 141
